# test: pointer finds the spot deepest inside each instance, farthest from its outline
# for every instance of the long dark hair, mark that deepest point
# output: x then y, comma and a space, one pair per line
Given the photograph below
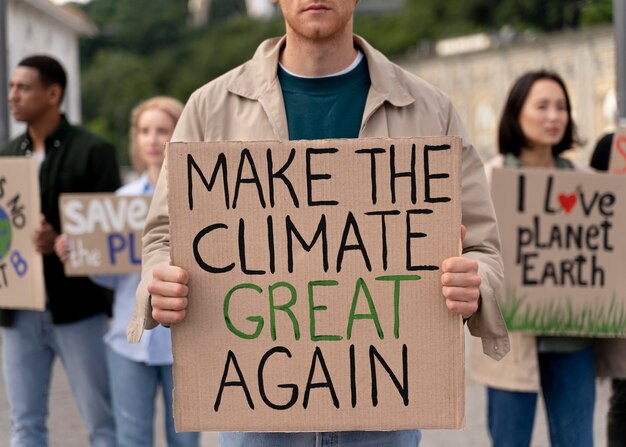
511, 138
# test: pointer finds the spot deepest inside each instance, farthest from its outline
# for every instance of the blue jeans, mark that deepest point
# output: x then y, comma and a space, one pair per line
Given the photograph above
133, 388
29, 349
403, 438
568, 387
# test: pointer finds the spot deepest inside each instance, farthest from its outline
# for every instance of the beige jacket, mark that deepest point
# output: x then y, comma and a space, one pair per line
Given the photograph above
519, 371
247, 104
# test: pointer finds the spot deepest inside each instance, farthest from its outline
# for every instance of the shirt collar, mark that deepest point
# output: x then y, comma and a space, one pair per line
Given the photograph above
146, 187
259, 74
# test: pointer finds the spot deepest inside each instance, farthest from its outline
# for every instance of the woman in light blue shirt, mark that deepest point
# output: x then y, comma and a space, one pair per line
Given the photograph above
137, 370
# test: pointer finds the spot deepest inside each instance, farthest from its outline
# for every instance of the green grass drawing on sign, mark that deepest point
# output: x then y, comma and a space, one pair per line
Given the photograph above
559, 317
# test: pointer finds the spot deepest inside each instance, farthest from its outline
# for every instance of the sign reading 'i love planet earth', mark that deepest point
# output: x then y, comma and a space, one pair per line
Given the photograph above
21, 272
564, 251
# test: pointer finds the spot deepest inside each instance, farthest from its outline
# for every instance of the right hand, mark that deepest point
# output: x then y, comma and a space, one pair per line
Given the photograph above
169, 291
44, 237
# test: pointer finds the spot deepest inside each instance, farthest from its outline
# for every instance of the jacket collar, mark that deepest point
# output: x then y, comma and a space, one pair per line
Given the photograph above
54, 140
259, 75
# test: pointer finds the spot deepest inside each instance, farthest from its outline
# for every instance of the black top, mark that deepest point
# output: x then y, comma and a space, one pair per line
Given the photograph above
76, 161
602, 153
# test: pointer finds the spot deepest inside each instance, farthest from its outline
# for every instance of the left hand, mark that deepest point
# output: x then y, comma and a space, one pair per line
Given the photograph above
44, 237
461, 283
62, 247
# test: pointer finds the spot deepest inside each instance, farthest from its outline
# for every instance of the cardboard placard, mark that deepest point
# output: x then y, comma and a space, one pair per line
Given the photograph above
564, 251
21, 268
104, 232
617, 159
315, 297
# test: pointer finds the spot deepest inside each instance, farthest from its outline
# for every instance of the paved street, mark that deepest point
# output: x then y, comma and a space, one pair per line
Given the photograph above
66, 429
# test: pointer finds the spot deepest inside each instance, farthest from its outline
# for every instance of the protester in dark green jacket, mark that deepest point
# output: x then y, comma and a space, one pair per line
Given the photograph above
71, 160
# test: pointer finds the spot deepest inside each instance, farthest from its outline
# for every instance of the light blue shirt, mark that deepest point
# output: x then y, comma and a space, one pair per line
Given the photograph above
155, 347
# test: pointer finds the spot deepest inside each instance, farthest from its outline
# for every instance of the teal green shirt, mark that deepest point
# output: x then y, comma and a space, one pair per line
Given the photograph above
329, 107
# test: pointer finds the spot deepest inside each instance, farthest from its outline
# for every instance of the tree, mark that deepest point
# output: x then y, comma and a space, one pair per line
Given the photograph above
598, 11
111, 87
137, 26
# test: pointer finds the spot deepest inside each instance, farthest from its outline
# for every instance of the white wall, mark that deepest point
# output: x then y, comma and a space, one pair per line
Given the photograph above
260, 8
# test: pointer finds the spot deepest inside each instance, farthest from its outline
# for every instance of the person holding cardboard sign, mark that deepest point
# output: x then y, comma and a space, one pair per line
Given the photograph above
137, 371
321, 81
535, 128
76, 316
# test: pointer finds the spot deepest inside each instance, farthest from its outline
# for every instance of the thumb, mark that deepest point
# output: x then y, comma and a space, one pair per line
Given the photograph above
463, 233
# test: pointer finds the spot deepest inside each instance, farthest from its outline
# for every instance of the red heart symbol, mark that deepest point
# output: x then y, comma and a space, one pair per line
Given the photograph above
620, 150
567, 201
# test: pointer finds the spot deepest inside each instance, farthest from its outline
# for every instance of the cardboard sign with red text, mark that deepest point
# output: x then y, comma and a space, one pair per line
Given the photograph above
104, 232
617, 160
564, 251
21, 268
315, 297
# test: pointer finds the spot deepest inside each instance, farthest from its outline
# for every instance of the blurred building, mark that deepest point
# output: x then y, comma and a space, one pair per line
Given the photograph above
200, 10
477, 72
43, 27
260, 8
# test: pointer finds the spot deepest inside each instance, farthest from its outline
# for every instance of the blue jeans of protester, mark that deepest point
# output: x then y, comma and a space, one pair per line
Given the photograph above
403, 438
568, 387
29, 349
134, 387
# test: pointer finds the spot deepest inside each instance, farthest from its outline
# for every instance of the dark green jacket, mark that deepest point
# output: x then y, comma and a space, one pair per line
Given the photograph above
76, 161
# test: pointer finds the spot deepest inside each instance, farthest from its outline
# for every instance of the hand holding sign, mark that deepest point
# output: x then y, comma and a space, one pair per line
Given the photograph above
309, 259
62, 247
44, 237
169, 291
461, 283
